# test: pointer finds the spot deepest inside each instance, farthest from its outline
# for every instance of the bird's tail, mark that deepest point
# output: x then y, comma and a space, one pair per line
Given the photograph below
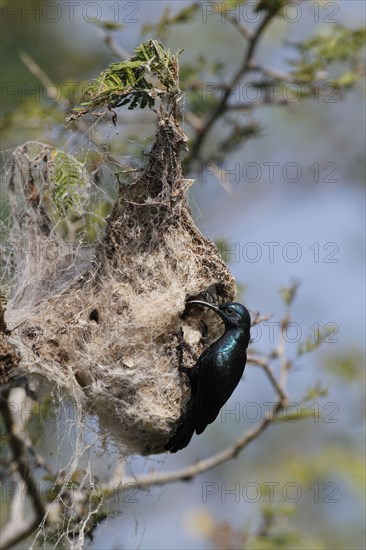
184, 432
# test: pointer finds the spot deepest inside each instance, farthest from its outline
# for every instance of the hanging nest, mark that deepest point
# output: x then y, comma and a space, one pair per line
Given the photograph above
112, 331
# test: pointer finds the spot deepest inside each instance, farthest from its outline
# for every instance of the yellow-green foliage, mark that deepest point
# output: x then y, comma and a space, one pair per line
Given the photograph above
129, 82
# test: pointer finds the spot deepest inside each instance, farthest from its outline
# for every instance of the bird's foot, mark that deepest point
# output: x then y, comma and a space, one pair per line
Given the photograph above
204, 331
184, 369
181, 343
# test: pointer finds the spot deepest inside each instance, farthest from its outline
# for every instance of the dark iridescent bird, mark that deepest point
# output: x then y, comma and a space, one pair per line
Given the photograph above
216, 373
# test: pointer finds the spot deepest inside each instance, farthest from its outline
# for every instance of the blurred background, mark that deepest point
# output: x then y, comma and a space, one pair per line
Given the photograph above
285, 204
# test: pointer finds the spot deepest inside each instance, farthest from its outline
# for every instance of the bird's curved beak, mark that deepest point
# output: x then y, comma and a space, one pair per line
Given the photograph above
207, 304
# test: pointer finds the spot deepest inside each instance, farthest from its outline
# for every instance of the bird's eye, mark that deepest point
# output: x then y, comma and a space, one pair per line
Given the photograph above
230, 309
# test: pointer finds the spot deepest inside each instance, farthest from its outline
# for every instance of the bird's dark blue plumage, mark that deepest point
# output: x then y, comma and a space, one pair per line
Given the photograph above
216, 373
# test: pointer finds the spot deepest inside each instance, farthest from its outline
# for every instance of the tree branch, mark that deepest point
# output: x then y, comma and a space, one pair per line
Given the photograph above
187, 473
221, 107
18, 529
36, 71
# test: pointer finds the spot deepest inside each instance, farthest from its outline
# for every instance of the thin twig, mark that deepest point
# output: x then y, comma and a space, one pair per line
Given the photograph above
17, 528
115, 48
263, 363
272, 73
260, 319
36, 71
11, 535
260, 103
280, 352
193, 120
244, 31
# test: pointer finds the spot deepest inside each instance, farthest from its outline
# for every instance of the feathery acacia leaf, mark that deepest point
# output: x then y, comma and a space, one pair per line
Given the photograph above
130, 82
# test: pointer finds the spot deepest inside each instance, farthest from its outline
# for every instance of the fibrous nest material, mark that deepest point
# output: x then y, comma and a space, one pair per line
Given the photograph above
112, 331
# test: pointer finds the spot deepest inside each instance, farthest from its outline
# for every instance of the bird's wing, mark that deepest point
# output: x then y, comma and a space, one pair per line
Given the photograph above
211, 392
215, 384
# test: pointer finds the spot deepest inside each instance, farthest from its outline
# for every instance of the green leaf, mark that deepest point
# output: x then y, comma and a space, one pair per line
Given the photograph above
272, 7
239, 133
346, 80
315, 392
347, 365
130, 82
296, 416
288, 293
318, 52
109, 25
316, 340
167, 21
67, 179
